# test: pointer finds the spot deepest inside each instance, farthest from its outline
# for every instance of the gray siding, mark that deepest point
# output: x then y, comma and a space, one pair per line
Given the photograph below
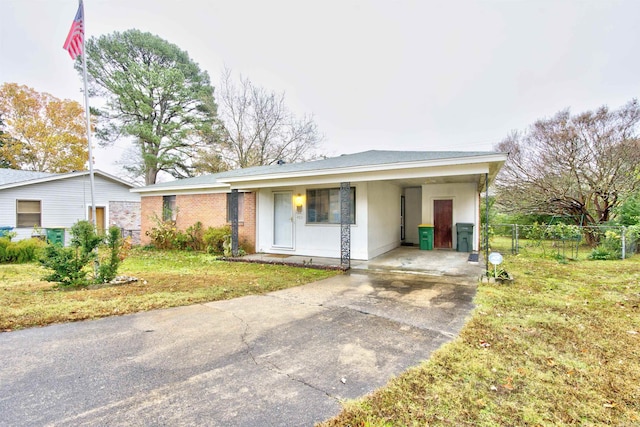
63, 202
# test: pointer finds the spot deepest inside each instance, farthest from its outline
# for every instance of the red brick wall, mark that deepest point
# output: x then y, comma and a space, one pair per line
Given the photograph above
209, 209
150, 208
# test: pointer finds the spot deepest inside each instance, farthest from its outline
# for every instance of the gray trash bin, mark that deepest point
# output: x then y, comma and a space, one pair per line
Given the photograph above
464, 232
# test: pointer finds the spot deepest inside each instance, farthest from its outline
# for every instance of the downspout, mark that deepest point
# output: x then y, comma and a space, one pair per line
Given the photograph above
486, 222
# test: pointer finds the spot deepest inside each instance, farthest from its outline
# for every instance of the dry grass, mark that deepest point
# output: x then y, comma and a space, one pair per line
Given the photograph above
166, 279
560, 346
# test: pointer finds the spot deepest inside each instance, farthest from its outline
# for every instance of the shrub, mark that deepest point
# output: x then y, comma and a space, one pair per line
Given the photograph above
108, 269
214, 239
610, 247
165, 235
68, 263
195, 238
22, 251
84, 236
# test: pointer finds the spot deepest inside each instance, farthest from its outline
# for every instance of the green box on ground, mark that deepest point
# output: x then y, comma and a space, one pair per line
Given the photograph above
425, 233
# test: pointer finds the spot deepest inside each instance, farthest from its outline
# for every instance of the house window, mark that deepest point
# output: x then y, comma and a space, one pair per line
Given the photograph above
323, 206
240, 207
28, 213
169, 211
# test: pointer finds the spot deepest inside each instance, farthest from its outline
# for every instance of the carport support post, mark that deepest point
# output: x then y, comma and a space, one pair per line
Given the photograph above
233, 213
345, 225
486, 222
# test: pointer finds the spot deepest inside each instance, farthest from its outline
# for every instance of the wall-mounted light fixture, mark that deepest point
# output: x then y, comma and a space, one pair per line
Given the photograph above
298, 201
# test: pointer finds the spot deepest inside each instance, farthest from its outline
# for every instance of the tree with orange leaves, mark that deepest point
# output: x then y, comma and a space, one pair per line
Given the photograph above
41, 132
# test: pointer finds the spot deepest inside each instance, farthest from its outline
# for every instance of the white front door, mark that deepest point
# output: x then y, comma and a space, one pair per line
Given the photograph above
283, 219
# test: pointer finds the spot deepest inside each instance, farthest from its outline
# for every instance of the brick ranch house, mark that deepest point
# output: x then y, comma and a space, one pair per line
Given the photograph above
361, 204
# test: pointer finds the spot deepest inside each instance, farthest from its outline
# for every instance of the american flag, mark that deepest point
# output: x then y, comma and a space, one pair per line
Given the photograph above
73, 44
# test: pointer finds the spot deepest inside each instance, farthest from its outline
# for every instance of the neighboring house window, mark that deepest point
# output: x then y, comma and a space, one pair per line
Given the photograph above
28, 213
169, 211
323, 206
240, 207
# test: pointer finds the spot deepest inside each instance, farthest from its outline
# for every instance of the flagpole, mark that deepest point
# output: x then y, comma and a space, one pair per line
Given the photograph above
88, 118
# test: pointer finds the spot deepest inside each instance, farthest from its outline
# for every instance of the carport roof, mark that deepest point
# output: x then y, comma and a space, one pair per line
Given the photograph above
368, 160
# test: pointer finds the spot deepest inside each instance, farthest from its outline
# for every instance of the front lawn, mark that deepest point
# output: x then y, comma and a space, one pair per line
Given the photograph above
560, 346
166, 279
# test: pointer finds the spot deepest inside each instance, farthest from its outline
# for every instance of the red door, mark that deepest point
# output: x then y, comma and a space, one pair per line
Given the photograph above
442, 223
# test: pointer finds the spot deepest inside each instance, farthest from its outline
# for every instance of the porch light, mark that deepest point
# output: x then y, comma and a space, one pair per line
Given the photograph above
298, 201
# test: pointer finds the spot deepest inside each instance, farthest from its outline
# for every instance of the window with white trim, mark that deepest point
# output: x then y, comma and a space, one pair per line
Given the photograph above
323, 206
28, 213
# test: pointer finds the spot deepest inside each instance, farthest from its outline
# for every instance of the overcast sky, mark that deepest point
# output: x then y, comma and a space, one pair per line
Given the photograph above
401, 75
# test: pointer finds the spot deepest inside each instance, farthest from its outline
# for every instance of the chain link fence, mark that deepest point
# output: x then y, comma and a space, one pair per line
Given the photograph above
565, 241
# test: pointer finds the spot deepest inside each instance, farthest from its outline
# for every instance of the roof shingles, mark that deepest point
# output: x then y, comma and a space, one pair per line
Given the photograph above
366, 158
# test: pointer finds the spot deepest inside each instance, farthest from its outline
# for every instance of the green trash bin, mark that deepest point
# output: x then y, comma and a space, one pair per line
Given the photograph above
425, 234
464, 232
55, 236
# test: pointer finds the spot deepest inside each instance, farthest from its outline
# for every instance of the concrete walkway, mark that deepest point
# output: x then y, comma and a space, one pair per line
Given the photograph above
404, 259
287, 358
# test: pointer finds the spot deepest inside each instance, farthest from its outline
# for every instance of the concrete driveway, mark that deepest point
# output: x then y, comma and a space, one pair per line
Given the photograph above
287, 358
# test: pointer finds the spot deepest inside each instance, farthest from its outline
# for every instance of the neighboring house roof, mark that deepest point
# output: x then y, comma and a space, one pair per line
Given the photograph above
368, 161
10, 178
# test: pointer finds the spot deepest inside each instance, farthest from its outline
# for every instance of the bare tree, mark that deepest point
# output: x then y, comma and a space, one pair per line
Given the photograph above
257, 129
579, 166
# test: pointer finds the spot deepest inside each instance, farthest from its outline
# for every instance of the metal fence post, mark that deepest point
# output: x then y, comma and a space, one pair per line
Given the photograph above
624, 244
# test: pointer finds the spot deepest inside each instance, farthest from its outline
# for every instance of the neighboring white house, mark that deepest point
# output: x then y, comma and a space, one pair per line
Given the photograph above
295, 208
32, 201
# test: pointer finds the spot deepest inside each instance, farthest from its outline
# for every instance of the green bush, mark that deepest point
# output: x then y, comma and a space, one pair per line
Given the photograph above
195, 238
214, 239
84, 236
108, 269
165, 235
610, 247
22, 251
68, 263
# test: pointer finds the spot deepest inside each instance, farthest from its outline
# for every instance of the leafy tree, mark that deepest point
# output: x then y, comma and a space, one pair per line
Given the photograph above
257, 129
628, 213
4, 163
42, 133
578, 166
154, 93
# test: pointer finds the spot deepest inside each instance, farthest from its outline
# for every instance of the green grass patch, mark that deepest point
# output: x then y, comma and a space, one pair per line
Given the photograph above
165, 279
559, 346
